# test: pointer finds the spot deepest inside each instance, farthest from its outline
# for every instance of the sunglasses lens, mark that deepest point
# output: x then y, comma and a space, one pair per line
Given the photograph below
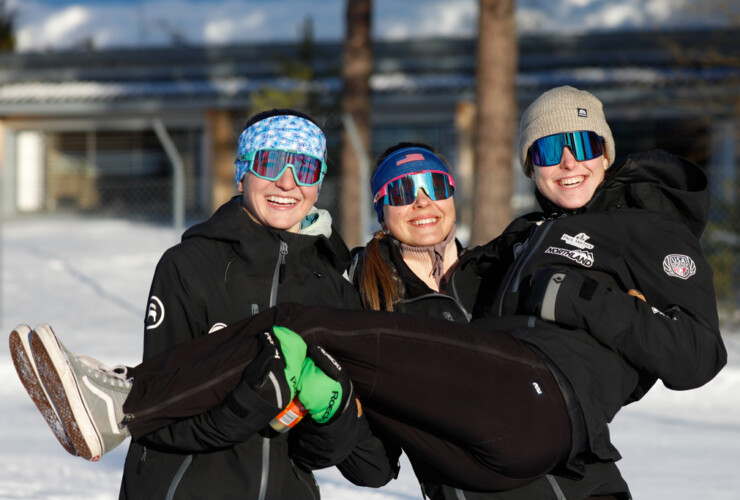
267, 165
270, 164
403, 191
548, 151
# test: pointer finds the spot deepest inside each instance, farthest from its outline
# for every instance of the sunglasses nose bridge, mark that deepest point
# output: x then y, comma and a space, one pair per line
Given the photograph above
570, 158
421, 190
282, 177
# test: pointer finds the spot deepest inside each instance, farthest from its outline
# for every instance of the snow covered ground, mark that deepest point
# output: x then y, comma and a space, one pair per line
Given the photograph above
89, 278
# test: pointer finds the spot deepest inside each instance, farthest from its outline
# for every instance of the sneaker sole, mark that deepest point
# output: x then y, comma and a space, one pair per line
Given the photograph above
62, 386
20, 352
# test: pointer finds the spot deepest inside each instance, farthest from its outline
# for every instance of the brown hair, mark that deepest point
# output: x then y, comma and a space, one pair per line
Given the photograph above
379, 284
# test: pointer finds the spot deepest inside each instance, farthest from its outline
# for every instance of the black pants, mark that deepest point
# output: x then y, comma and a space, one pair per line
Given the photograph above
477, 404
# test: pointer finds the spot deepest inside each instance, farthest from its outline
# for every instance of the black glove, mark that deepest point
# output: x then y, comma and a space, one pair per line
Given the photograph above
549, 290
264, 376
336, 424
257, 398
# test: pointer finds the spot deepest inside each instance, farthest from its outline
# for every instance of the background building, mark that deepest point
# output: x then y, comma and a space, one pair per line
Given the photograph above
100, 133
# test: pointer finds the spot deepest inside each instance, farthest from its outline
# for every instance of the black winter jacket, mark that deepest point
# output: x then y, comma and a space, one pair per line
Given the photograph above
455, 302
224, 270
640, 231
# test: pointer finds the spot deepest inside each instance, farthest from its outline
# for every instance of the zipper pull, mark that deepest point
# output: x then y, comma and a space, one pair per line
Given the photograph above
141, 461
283, 253
125, 421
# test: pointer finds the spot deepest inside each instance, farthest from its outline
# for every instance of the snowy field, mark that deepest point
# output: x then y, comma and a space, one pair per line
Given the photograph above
90, 279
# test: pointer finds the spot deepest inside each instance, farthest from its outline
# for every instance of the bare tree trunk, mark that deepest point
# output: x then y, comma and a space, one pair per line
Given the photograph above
357, 65
220, 131
497, 118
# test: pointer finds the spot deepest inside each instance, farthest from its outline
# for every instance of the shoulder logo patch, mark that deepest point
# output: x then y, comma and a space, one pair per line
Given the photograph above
679, 266
155, 313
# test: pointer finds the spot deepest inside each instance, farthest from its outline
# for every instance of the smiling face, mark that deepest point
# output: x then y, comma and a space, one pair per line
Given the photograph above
423, 223
280, 204
571, 183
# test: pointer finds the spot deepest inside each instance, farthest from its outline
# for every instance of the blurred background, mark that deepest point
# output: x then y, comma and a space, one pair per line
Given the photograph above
132, 109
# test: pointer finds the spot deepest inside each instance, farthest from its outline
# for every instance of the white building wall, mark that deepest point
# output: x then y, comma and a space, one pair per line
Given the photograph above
30, 171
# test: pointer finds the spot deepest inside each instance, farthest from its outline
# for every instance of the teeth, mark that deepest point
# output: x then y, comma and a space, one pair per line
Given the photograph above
281, 200
572, 181
419, 222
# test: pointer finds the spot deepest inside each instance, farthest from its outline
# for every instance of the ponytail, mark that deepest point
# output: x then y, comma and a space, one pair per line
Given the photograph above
379, 285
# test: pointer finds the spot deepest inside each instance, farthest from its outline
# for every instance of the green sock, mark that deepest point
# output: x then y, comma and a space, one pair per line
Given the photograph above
294, 351
319, 393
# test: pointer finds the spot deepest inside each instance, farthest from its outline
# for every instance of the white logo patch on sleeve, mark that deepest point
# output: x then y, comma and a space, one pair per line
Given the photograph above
679, 266
155, 313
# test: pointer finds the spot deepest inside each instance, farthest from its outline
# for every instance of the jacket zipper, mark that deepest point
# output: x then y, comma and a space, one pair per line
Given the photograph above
277, 278
442, 296
459, 494
456, 296
178, 477
515, 273
559, 495
302, 479
265, 468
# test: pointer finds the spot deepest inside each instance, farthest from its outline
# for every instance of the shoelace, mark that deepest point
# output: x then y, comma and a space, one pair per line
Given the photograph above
115, 375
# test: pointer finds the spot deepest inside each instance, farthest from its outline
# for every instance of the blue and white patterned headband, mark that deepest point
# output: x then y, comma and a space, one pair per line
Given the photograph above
285, 132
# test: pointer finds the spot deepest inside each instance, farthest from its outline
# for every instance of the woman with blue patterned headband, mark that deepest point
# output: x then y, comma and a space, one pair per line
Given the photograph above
267, 245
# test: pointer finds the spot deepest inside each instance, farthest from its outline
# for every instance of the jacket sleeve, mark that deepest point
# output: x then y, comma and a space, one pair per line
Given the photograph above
221, 427
349, 444
175, 315
372, 463
672, 334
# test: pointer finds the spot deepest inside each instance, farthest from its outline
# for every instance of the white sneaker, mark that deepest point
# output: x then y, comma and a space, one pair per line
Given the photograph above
88, 395
20, 352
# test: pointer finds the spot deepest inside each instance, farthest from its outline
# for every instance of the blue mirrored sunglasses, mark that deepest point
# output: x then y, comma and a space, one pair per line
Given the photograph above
269, 164
403, 191
548, 151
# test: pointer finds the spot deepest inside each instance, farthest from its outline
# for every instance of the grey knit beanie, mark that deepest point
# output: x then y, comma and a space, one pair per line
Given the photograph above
561, 110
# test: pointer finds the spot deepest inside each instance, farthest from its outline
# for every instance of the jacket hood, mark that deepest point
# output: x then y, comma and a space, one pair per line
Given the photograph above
653, 180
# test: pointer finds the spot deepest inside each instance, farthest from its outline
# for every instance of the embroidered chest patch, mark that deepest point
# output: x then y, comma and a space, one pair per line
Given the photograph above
679, 266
